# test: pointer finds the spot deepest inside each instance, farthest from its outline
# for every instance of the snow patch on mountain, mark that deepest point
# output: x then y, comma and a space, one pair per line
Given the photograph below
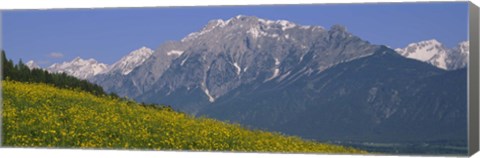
174, 52
238, 68
210, 98
286, 24
255, 32
276, 71
207, 92
277, 62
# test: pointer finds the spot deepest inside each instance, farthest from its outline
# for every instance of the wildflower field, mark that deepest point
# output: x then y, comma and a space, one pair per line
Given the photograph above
39, 115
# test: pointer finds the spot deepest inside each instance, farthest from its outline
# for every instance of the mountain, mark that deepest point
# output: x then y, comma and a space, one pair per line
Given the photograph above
88, 69
80, 68
32, 65
459, 56
127, 63
115, 78
316, 83
237, 51
380, 98
435, 53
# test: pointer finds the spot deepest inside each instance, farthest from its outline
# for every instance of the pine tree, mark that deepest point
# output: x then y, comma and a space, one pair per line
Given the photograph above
7, 66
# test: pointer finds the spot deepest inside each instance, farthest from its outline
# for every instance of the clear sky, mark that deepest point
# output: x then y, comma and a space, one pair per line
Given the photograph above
49, 36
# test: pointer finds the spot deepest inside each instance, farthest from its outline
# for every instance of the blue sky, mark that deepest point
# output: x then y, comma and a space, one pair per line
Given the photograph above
49, 36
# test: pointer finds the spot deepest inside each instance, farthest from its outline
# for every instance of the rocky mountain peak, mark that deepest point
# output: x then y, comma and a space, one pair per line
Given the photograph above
338, 28
251, 25
32, 65
77, 59
435, 53
464, 47
129, 62
79, 68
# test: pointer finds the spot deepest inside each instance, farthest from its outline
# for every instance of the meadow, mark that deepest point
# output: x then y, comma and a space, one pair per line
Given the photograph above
40, 115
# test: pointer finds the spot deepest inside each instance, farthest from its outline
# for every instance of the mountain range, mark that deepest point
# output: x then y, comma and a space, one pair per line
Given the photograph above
429, 51
86, 69
316, 83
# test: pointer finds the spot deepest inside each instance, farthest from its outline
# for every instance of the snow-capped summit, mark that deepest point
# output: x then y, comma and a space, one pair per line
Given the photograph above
79, 68
32, 65
435, 53
255, 26
459, 56
88, 68
127, 63
225, 54
463, 47
430, 51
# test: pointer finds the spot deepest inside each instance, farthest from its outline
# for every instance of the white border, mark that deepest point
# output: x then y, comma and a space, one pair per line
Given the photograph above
74, 153
79, 153
49, 4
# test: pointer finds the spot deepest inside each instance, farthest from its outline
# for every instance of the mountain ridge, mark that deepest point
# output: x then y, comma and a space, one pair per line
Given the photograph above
89, 68
445, 58
129, 62
78, 67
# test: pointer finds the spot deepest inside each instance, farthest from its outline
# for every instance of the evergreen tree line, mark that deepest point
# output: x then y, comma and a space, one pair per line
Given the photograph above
20, 72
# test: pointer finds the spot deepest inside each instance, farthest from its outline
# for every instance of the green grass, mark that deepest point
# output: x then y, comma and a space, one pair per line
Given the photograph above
39, 115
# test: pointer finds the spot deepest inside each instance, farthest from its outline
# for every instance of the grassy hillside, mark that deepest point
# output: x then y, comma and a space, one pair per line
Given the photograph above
38, 115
